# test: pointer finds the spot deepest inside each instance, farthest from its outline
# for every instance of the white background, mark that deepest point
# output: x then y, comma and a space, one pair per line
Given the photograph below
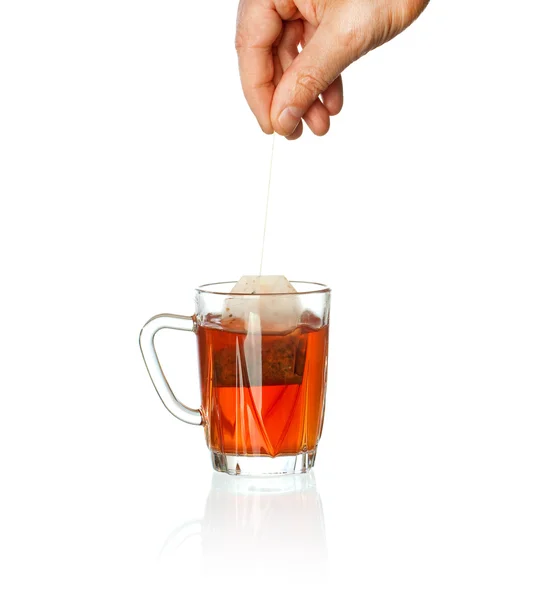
132, 170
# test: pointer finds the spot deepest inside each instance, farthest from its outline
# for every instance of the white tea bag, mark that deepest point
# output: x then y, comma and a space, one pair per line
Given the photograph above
271, 305
277, 305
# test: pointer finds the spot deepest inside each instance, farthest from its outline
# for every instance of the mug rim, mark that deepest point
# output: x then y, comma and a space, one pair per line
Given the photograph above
323, 289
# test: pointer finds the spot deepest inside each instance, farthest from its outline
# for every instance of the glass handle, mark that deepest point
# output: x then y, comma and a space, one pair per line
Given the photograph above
146, 342
181, 535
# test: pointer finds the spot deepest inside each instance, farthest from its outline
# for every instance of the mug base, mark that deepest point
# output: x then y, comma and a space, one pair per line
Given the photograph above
264, 466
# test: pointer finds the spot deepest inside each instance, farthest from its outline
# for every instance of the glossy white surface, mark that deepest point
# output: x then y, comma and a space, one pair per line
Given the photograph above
131, 171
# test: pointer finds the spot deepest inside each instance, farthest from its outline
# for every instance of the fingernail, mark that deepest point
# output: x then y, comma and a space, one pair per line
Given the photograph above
289, 119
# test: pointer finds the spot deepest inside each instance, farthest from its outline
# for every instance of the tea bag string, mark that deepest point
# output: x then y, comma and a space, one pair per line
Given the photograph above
267, 204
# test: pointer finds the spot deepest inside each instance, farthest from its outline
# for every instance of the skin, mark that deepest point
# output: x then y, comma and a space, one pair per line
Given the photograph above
284, 86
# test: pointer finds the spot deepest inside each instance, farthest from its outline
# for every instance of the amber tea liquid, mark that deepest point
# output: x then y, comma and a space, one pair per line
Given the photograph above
262, 393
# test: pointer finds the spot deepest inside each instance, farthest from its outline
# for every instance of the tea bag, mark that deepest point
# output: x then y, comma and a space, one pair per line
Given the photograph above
261, 361
274, 350
276, 312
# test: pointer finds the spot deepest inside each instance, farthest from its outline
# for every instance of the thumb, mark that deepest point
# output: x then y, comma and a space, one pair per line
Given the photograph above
313, 70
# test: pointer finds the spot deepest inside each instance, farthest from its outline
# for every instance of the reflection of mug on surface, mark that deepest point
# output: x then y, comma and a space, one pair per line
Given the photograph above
261, 520
263, 361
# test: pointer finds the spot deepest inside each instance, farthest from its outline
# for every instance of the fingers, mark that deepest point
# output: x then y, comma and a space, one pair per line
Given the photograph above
310, 74
258, 28
297, 132
332, 98
286, 51
287, 46
317, 116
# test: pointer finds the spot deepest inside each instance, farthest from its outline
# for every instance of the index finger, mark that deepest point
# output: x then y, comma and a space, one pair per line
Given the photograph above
257, 29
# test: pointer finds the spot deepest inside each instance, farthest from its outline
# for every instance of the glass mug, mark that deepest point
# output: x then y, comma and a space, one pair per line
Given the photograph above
263, 364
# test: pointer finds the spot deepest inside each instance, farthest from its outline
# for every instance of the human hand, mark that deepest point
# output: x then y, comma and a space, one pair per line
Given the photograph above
282, 85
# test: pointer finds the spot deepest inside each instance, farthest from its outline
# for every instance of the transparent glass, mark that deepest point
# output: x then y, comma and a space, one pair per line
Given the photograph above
263, 365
